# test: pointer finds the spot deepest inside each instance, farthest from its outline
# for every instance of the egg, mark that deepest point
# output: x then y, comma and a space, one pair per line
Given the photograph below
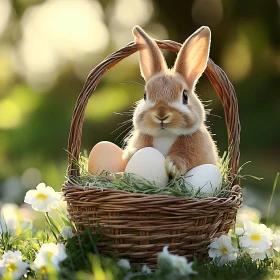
106, 156
149, 164
206, 177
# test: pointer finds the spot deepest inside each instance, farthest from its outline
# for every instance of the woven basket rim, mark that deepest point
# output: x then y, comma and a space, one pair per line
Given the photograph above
231, 199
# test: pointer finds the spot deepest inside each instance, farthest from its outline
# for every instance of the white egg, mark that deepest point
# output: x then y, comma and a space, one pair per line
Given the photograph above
206, 177
149, 164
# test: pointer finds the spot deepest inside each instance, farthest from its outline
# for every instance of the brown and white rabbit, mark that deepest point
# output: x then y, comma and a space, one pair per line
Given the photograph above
171, 117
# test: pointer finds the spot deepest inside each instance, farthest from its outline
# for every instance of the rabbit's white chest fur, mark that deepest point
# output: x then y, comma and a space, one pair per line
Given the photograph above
164, 143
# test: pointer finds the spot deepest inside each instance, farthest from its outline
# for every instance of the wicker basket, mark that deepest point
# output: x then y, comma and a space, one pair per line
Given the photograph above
138, 226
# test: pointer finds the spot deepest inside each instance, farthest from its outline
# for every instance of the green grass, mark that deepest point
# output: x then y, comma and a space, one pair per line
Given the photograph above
272, 195
81, 259
84, 261
242, 268
176, 186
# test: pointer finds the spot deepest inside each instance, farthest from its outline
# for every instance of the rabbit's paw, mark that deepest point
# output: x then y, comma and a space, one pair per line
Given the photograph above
174, 166
128, 153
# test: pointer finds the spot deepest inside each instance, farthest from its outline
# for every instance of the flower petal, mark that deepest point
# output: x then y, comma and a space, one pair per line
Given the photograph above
41, 186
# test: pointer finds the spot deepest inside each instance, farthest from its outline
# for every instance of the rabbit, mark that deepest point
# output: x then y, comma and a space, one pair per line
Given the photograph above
170, 117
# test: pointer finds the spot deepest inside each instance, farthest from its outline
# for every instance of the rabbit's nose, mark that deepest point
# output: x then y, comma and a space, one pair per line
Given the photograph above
162, 116
162, 111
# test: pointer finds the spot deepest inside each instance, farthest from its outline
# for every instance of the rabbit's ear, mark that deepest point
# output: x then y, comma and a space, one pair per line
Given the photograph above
193, 56
151, 58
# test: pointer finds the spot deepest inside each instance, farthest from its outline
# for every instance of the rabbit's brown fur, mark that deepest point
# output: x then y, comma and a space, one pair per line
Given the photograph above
171, 118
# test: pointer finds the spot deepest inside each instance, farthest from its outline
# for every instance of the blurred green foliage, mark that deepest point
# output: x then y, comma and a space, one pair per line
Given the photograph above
36, 106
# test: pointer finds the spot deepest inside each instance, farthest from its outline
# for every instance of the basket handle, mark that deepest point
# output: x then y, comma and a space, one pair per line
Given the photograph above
215, 74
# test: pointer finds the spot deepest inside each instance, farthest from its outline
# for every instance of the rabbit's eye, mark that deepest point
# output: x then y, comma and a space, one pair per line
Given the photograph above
185, 97
145, 95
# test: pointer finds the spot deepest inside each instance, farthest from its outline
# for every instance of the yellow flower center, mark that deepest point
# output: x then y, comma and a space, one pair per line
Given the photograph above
255, 237
44, 270
224, 250
180, 265
12, 267
41, 196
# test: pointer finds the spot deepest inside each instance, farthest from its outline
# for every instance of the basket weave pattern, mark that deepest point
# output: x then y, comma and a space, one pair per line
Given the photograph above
138, 226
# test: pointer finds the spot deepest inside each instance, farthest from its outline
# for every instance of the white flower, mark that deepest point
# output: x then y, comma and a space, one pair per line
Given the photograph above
165, 259
183, 266
9, 225
123, 263
145, 269
257, 237
174, 263
239, 231
276, 242
43, 198
222, 248
247, 213
9, 218
257, 254
50, 253
67, 232
9, 210
11, 264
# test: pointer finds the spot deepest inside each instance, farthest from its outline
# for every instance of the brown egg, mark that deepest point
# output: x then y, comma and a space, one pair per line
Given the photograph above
106, 156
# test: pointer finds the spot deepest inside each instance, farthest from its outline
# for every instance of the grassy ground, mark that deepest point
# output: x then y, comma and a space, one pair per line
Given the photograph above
83, 260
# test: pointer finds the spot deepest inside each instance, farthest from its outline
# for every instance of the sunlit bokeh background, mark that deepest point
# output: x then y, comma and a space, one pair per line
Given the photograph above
47, 48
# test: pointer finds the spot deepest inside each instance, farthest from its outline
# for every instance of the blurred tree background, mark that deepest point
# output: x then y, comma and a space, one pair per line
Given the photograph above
47, 48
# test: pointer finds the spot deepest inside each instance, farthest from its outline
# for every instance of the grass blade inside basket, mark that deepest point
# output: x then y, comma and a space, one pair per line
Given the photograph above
176, 187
